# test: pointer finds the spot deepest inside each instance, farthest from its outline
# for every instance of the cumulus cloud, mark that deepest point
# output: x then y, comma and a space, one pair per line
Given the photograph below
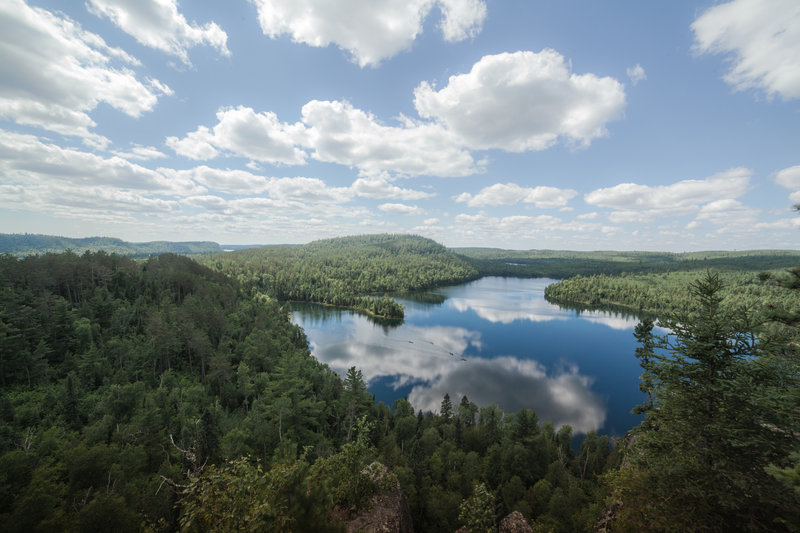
481, 229
242, 132
380, 187
54, 73
25, 159
337, 133
462, 18
340, 133
790, 179
523, 101
400, 209
369, 30
633, 202
158, 24
726, 213
511, 193
761, 39
141, 153
636, 73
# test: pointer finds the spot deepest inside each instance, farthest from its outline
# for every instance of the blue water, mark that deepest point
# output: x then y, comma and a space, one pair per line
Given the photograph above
495, 340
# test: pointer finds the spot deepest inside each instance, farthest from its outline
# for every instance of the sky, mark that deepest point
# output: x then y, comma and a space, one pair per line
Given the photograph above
521, 124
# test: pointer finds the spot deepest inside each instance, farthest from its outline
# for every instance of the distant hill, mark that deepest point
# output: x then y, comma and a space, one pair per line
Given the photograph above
563, 264
346, 271
22, 244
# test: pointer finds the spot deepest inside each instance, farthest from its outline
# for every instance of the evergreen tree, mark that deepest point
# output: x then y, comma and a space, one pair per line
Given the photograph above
718, 419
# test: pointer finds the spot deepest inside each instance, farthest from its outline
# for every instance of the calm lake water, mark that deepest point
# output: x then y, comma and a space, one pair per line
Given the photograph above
496, 340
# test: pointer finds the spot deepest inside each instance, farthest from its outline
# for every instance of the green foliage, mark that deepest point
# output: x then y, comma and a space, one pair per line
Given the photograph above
477, 511
106, 362
665, 293
561, 264
351, 474
21, 245
346, 271
724, 416
240, 496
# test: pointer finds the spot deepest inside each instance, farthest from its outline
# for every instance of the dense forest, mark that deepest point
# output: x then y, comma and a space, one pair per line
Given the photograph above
560, 264
670, 292
22, 244
163, 394
346, 271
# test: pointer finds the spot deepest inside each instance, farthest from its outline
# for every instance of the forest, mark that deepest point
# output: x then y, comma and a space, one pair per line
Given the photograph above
355, 272
165, 394
670, 292
562, 264
22, 244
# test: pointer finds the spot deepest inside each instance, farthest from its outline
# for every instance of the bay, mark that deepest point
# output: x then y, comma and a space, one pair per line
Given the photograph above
495, 340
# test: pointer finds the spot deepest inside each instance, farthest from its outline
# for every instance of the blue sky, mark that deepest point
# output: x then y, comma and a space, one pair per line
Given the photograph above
519, 124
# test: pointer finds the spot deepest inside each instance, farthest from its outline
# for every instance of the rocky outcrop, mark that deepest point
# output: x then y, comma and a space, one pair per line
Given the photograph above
388, 513
514, 523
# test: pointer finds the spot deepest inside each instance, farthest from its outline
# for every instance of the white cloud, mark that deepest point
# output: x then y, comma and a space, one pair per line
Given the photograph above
462, 18
636, 73
141, 153
227, 180
26, 160
763, 40
242, 132
370, 30
483, 230
400, 209
337, 133
635, 203
726, 212
340, 133
54, 73
379, 187
159, 25
511, 193
790, 179
523, 101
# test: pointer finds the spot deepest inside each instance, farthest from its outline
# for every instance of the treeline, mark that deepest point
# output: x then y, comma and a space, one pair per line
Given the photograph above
346, 271
160, 395
670, 292
560, 264
22, 244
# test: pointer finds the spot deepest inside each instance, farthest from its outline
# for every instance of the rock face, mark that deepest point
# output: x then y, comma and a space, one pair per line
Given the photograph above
514, 523
388, 513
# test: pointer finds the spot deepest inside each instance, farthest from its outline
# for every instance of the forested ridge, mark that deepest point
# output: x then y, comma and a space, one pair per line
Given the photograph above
22, 244
562, 264
346, 271
670, 292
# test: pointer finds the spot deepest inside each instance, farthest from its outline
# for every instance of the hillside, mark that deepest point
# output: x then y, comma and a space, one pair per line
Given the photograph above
562, 264
346, 271
23, 244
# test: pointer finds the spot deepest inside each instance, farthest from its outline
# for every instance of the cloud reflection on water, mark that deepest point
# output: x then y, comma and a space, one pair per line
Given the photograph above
511, 383
433, 361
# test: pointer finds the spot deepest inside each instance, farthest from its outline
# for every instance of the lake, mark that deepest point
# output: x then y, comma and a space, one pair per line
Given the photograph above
495, 340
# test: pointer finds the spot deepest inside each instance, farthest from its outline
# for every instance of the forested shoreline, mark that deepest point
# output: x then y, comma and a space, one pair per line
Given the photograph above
163, 394
354, 272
